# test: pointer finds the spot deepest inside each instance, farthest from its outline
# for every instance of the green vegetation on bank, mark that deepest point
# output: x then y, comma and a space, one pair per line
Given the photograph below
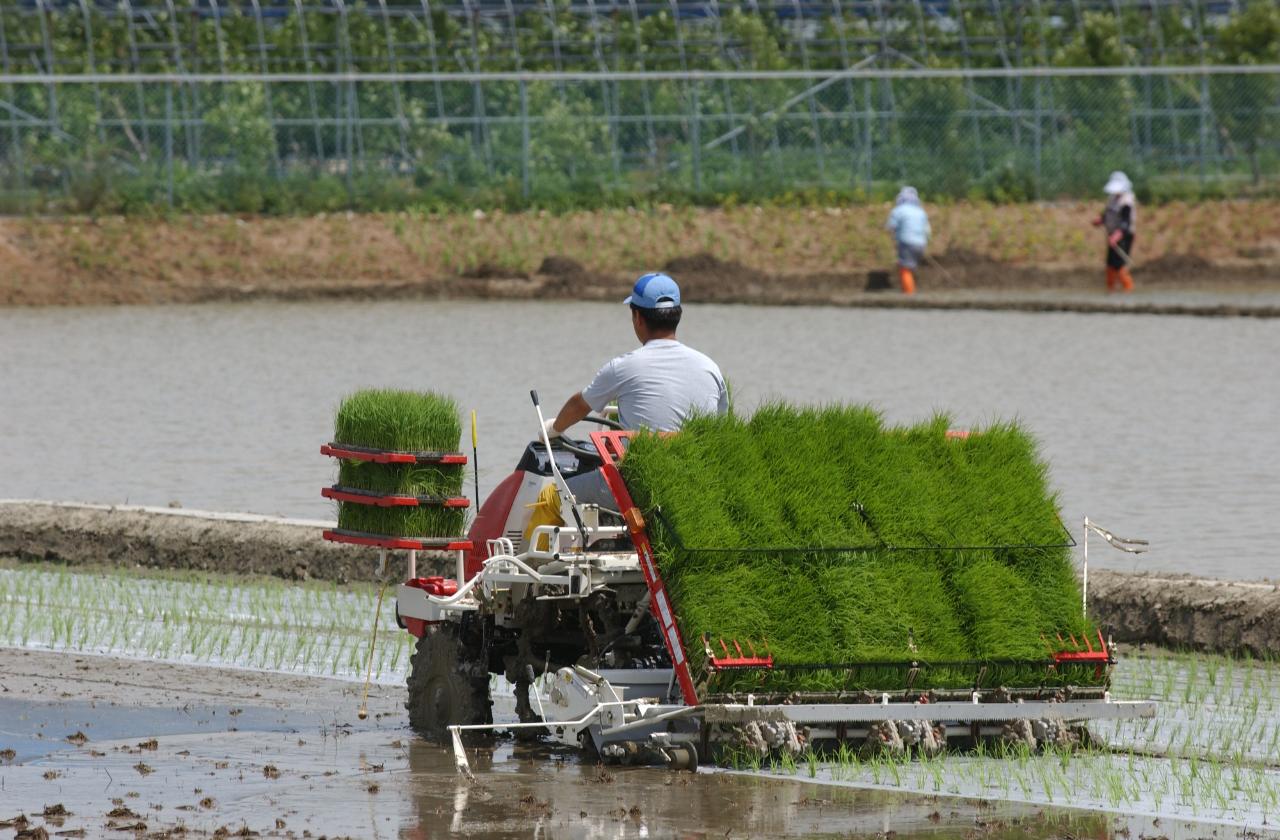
405, 421
302, 147
152, 36
839, 540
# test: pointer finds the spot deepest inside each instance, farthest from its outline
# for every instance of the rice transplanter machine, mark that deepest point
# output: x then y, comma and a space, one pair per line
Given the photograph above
576, 617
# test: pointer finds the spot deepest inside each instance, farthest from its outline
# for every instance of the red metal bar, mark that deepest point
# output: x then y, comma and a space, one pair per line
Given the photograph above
343, 535
388, 456
1099, 655
741, 661
368, 497
610, 444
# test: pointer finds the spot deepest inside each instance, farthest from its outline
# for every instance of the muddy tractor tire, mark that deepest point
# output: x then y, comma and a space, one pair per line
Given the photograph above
448, 683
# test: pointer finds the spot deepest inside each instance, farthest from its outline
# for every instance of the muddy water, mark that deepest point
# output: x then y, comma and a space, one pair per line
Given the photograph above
1157, 427
283, 755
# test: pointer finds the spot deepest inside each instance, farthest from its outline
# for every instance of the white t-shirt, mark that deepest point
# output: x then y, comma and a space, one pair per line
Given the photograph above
659, 386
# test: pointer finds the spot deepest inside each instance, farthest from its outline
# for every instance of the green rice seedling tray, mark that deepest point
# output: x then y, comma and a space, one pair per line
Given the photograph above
399, 474
905, 556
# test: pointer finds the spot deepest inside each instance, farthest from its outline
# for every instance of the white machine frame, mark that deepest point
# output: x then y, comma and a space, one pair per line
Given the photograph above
620, 708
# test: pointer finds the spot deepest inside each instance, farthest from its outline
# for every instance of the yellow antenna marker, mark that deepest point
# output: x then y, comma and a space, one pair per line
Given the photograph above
475, 459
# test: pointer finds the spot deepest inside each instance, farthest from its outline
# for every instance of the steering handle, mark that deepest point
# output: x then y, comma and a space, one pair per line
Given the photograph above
602, 421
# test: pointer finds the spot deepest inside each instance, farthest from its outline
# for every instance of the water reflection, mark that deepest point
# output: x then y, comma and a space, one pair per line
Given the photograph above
538, 792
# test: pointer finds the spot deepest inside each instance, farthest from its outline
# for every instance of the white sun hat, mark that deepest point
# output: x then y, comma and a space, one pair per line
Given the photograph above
1118, 183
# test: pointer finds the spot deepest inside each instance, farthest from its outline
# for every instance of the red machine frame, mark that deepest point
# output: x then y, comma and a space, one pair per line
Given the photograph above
610, 445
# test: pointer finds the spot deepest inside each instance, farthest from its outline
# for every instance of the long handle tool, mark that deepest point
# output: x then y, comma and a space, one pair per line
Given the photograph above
555, 470
1128, 260
938, 265
475, 459
377, 612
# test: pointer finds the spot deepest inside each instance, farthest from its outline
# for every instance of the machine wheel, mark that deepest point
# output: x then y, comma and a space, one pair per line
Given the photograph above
682, 757
448, 683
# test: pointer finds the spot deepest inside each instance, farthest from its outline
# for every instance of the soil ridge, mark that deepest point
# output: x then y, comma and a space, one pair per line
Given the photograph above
741, 255
1169, 610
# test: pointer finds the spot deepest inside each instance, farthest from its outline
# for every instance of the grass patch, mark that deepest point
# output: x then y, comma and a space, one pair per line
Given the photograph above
933, 550
408, 421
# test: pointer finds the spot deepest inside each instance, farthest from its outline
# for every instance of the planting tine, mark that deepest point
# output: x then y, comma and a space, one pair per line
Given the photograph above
460, 755
724, 648
738, 648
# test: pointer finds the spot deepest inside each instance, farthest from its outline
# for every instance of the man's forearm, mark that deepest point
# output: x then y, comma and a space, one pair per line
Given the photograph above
574, 409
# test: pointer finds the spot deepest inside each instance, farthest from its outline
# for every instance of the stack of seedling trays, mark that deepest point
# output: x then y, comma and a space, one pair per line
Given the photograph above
400, 475
864, 557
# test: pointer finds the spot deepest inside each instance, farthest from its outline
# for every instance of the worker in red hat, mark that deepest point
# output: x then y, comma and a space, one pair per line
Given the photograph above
1118, 220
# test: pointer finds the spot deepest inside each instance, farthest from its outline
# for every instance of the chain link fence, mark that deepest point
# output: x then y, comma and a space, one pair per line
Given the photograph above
282, 142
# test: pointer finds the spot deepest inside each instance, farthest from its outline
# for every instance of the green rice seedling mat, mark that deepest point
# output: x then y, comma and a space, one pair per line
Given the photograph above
400, 421
865, 556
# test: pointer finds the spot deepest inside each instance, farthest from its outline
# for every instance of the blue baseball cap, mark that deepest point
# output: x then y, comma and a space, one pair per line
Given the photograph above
655, 291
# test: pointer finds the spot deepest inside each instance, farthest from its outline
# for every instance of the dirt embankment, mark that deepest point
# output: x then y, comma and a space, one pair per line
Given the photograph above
739, 255
1167, 610
1180, 611
152, 538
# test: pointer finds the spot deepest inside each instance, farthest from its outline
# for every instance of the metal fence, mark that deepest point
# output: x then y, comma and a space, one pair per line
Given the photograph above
305, 141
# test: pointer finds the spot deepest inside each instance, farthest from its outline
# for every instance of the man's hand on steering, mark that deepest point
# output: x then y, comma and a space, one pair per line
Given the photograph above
574, 409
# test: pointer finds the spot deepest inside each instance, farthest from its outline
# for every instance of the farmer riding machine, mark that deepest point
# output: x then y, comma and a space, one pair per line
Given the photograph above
566, 601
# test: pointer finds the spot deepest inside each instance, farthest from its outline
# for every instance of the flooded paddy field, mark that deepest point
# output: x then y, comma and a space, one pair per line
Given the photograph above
197, 702
1156, 427
284, 756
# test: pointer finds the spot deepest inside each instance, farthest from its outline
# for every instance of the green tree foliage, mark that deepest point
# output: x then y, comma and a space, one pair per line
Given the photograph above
307, 146
1246, 105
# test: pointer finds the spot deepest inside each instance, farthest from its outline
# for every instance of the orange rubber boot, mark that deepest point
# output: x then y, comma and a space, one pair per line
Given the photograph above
1113, 279
908, 280
1126, 279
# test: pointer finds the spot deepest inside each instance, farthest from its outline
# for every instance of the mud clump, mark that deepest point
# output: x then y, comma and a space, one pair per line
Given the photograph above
492, 271
558, 265
561, 274
1175, 267
960, 256
704, 267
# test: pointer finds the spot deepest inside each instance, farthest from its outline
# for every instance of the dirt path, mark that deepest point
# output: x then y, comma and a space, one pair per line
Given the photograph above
740, 255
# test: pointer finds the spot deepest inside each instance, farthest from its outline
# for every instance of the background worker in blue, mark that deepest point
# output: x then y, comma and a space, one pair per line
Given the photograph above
910, 227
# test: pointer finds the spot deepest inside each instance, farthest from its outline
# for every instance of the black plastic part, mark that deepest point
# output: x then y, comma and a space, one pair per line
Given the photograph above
571, 463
